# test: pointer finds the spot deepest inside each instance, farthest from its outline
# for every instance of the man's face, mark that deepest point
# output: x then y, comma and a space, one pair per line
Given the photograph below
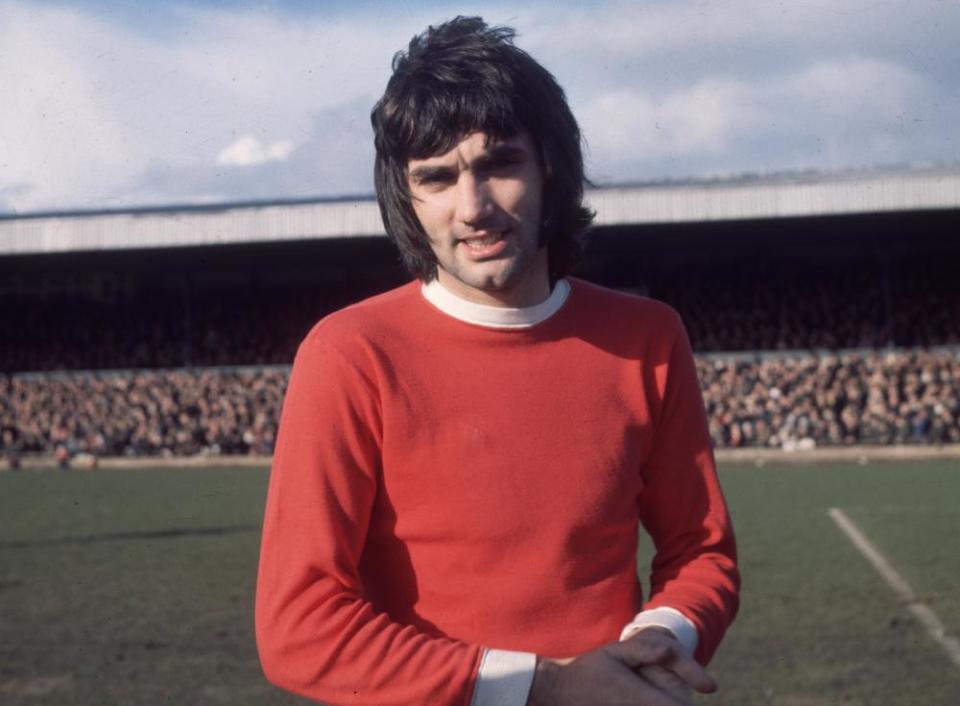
480, 206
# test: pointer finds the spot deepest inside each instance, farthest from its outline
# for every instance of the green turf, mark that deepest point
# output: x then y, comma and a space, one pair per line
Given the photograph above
136, 587
818, 626
130, 587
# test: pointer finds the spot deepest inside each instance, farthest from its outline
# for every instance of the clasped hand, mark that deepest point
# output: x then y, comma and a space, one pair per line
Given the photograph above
649, 669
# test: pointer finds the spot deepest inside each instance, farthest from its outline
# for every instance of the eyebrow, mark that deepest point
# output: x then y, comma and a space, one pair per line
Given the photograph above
426, 172
500, 152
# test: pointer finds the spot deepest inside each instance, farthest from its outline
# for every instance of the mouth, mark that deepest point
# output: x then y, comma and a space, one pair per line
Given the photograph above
485, 245
480, 242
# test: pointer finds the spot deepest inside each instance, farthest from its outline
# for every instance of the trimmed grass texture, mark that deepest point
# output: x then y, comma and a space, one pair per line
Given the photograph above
818, 625
136, 586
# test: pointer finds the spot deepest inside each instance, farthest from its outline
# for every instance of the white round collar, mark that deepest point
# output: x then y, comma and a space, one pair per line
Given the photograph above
495, 316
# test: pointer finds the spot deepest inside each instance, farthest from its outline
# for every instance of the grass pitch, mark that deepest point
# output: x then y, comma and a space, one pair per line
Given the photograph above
136, 587
818, 625
130, 587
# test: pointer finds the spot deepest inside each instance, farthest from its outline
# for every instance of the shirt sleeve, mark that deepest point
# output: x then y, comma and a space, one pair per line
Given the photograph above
316, 634
504, 679
670, 619
694, 569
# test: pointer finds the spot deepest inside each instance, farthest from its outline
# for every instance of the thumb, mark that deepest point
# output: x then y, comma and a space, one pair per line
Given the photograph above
639, 653
636, 653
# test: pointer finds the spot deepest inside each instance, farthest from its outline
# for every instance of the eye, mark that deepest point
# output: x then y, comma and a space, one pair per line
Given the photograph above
433, 178
504, 165
436, 179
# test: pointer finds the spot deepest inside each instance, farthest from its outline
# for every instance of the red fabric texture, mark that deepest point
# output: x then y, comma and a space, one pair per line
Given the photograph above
439, 487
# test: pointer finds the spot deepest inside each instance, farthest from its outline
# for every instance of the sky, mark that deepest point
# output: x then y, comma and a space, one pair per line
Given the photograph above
114, 105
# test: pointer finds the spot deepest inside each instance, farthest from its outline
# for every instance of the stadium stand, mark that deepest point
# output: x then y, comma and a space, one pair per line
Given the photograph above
145, 413
803, 401
795, 401
99, 323
816, 323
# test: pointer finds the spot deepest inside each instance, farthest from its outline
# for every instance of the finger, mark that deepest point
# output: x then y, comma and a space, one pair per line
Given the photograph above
648, 694
688, 669
634, 689
667, 681
638, 652
656, 649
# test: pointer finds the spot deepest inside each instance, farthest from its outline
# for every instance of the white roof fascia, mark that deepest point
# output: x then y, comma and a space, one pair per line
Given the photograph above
762, 198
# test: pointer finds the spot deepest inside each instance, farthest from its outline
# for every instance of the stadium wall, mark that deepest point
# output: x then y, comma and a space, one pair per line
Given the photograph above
862, 455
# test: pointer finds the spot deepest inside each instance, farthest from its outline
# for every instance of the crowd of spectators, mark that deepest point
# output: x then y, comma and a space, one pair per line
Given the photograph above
771, 400
78, 330
749, 322
737, 307
807, 400
151, 413
817, 310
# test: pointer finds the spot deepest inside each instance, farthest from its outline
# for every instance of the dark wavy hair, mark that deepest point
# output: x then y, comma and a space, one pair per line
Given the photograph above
463, 77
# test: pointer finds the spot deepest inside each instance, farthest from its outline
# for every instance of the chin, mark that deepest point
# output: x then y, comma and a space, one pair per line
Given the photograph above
494, 281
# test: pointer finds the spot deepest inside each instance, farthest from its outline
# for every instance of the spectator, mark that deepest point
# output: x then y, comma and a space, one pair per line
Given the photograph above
160, 413
767, 401
832, 400
736, 307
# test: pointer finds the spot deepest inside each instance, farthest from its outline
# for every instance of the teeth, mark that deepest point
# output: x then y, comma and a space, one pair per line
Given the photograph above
485, 241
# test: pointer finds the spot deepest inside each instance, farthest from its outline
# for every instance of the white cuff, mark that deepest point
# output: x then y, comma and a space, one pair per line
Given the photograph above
671, 619
504, 679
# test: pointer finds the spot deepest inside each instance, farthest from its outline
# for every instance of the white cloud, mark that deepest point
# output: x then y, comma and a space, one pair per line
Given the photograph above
97, 113
90, 105
249, 150
830, 114
846, 87
58, 136
623, 124
721, 32
848, 111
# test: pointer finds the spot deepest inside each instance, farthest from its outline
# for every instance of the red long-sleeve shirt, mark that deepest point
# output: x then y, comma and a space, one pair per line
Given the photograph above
439, 487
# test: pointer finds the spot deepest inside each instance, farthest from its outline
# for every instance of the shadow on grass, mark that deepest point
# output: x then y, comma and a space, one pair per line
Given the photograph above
124, 536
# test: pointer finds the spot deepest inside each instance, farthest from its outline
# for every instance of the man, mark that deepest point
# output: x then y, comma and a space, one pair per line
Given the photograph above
463, 463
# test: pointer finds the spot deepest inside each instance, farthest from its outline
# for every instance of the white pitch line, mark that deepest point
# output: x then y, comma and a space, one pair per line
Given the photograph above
921, 611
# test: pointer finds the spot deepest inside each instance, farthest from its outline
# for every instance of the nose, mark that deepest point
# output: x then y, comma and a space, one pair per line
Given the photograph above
473, 199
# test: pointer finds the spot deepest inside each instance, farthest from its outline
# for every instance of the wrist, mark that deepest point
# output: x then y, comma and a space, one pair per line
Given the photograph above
664, 617
543, 690
657, 628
